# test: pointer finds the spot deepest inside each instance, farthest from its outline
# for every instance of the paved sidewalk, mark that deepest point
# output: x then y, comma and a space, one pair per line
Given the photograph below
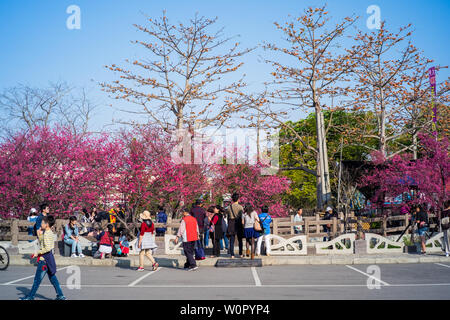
177, 261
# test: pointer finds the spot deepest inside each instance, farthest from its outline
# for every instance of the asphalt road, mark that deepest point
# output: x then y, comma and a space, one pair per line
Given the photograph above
390, 281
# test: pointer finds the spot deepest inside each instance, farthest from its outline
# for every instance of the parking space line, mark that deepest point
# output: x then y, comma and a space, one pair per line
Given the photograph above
143, 277
368, 275
244, 285
443, 265
256, 277
21, 279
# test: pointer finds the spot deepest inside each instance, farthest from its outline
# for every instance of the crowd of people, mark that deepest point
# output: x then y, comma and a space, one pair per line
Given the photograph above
222, 226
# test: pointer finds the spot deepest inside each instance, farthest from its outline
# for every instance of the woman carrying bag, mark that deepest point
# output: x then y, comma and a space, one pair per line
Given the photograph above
252, 228
146, 243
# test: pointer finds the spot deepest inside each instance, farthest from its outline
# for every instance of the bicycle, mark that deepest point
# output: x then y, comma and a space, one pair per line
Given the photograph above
4, 258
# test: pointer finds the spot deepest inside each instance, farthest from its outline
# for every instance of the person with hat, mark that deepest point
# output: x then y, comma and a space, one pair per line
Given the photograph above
189, 233
146, 242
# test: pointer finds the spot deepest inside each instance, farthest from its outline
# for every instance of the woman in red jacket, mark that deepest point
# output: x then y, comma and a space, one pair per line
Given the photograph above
146, 241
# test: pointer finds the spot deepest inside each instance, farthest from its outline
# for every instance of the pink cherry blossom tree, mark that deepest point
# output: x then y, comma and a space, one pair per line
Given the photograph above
425, 179
67, 170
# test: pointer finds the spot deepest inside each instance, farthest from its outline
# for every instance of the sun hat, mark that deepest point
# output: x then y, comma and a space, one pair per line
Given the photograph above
328, 209
145, 215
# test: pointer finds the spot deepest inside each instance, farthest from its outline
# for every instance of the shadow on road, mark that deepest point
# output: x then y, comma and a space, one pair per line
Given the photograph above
26, 291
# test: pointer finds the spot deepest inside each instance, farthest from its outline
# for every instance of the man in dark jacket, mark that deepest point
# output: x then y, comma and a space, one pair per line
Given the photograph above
199, 213
161, 217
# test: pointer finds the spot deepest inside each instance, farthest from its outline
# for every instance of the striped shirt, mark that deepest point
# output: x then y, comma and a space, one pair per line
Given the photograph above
46, 241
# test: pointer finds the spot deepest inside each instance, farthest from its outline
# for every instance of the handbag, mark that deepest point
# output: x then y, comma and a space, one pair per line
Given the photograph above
445, 222
257, 225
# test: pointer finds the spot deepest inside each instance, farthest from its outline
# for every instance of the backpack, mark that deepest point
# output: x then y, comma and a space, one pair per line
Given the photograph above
224, 226
262, 224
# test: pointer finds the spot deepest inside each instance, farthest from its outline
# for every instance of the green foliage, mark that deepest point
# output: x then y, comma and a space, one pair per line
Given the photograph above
293, 153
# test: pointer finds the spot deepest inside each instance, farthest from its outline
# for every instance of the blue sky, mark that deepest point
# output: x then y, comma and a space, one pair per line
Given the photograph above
38, 48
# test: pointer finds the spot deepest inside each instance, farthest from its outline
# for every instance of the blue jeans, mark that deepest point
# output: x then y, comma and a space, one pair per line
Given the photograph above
206, 239
40, 274
225, 239
75, 245
422, 231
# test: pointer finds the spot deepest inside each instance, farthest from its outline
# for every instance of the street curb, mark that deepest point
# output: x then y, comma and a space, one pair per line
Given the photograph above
178, 261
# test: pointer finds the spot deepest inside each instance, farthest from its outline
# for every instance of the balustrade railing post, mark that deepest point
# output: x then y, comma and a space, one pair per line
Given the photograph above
14, 232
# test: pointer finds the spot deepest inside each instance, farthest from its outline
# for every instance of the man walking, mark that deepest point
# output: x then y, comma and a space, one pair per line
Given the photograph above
189, 233
235, 227
48, 265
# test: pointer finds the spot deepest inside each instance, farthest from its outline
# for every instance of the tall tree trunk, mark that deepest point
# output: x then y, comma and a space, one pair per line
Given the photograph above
326, 170
323, 186
414, 142
382, 130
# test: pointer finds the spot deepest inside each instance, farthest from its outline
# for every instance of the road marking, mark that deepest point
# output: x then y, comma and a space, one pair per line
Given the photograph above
256, 277
444, 265
18, 280
368, 275
143, 277
243, 286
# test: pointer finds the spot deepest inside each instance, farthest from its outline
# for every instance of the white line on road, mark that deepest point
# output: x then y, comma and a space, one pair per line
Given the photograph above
443, 265
143, 277
255, 276
368, 275
243, 285
18, 280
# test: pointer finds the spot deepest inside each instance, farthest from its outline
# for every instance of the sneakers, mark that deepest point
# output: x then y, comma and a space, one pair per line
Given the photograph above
74, 255
155, 266
81, 255
140, 269
447, 255
192, 268
57, 298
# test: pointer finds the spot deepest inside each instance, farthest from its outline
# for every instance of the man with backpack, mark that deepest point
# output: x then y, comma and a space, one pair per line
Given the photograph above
235, 227
265, 220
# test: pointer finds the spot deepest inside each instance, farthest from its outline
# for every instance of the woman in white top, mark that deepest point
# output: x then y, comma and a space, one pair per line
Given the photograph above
248, 220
